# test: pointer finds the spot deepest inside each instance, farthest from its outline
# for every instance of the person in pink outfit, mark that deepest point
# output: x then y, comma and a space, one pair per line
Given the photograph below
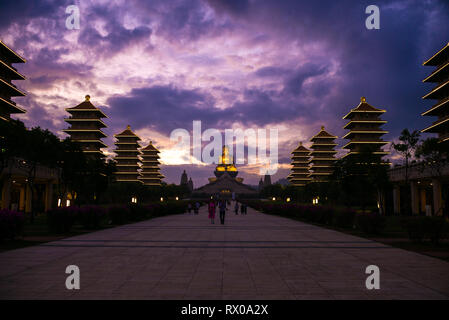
212, 211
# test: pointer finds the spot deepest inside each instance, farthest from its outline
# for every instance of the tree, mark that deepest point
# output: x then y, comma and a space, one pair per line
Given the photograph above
407, 147
360, 178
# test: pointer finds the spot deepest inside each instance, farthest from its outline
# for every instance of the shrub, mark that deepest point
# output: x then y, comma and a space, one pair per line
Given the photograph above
61, 220
118, 214
371, 223
91, 217
344, 218
11, 224
137, 212
420, 228
435, 229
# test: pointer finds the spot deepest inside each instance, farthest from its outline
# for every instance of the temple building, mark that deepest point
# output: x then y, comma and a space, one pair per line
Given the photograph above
365, 129
225, 183
151, 175
128, 156
85, 127
299, 175
184, 179
440, 93
260, 184
190, 184
7, 88
322, 156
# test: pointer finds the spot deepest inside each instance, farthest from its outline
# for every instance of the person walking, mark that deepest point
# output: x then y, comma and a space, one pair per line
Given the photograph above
189, 208
197, 207
236, 208
212, 211
246, 209
222, 206
242, 209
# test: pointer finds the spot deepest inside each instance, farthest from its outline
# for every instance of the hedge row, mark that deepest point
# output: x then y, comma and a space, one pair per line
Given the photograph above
11, 224
61, 220
417, 228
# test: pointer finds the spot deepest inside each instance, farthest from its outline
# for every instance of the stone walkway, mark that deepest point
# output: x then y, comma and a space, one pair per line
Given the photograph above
255, 256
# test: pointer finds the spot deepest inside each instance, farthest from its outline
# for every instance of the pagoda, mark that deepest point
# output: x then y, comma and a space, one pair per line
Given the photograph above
365, 129
440, 93
86, 124
299, 175
7, 88
151, 175
128, 161
323, 156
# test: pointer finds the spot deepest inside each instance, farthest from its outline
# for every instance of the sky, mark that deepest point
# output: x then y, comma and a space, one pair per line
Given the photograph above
289, 65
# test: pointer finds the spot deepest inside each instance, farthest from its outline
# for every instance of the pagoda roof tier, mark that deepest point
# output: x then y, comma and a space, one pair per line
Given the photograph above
93, 151
322, 151
155, 160
86, 105
323, 134
97, 141
126, 158
127, 133
358, 152
129, 172
10, 54
440, 74
103, 125
128, 180
363, 107
299, 156
299, 162
300, 153
439, 57
434, 128
322, 159
435, 110
320, 174
128, 150
11, 89
10, 106
352, 122
150, 147
364, 142
128, 165
438, 92
99, 132
367, 131
300, 149
11, 72
324, 145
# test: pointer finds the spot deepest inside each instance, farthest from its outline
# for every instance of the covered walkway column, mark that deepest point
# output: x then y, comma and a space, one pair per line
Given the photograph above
397, 200
48, 196
415, 197
437, 197
28, 199
6, 193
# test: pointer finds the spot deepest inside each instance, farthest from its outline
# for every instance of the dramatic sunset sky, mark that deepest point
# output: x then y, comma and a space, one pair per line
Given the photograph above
160, 64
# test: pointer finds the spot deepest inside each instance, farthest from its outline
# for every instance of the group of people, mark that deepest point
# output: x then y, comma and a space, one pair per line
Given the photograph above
196, 208
221, 205
243, 208
218, 205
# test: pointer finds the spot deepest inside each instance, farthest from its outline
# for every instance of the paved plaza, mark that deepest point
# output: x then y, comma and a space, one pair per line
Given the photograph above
256, 256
